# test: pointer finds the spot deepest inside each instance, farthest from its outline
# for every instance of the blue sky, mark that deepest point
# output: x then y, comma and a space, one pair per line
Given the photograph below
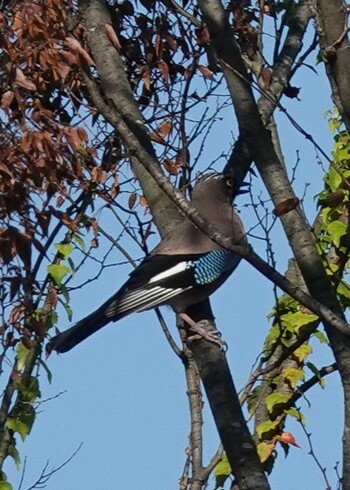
124, 389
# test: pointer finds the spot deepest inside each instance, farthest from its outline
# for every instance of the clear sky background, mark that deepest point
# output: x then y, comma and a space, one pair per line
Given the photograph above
124, 390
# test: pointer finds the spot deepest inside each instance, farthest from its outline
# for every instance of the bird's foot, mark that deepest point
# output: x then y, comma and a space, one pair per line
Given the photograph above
213, 336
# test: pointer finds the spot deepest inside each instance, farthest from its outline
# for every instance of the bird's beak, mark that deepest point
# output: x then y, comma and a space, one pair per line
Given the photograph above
243, 189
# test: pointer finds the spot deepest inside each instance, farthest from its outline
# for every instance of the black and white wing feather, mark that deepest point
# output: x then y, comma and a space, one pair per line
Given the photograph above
158, 280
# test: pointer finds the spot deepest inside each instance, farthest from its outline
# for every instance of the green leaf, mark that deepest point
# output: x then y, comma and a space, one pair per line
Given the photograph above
343, 290
13, 452
321, 337
316, 372
265, 450
253, 398
29, 389
266, 429
295, 413
4, 485
293, 375
65, 249
333, 179
58, 272
22, 356
47, 370
69, 311
295, 320
336, 230
223, 468
302, 352
23, 423
276, 400
65, 292
79, 241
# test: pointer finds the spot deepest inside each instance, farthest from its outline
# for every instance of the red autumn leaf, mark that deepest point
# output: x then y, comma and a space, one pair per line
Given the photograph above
287, 438
286, 206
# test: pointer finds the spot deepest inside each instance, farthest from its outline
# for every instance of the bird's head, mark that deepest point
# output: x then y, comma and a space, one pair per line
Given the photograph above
220, 185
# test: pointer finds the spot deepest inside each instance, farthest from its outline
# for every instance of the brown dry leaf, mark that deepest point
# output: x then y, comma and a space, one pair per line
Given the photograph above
3, 168
159, 46
23, 81
156, 138
172, 42
83, 135
266, 75
165, 128
132, 200
98, 175
75, 45
112, 36
59, 201
146, 76
203, 36
6, 100
94, 225
72, 137
17, 313
180, 159
69, 56
27, 140
164, 69
171, 166
205, 71
143, 201
52, 298
286, 206
27, 342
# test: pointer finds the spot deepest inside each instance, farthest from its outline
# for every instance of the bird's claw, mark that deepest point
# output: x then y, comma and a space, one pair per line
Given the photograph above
213, 336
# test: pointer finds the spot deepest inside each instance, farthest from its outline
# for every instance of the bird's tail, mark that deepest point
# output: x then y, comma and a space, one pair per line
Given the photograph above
68, 339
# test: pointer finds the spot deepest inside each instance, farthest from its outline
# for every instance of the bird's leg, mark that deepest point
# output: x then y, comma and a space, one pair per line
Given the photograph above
201, 333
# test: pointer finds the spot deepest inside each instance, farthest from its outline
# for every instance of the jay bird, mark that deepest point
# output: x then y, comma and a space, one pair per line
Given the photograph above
184, 268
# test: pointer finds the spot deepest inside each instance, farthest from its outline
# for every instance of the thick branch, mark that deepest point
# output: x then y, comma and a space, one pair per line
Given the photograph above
332, 23
271, 170
117, 94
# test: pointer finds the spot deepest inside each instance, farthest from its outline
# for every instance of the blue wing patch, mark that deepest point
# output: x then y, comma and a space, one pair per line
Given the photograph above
211, 266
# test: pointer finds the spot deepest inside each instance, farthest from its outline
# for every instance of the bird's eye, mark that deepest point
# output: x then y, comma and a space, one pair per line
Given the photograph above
229, 182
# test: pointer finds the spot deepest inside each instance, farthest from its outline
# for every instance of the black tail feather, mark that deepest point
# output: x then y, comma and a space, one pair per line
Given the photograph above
68, 339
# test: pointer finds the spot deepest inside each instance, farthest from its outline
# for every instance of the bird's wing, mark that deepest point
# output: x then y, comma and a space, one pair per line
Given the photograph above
160, 278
